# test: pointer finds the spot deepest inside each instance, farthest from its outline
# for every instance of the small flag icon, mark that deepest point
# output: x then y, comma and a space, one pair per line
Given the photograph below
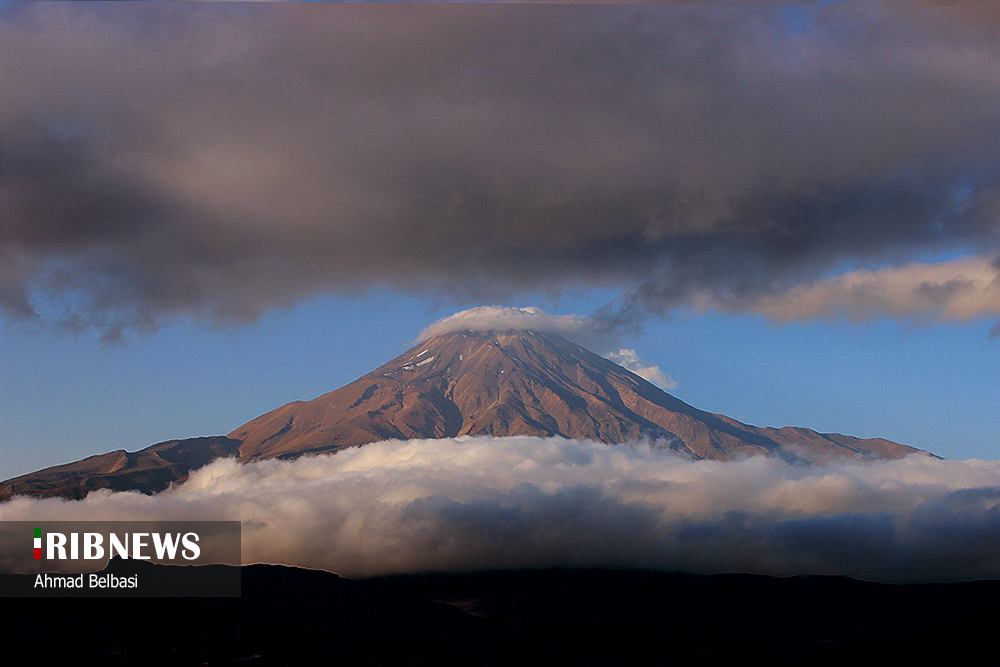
38, 543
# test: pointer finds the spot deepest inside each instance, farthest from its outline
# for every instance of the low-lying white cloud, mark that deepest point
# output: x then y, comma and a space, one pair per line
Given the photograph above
523, 502
630, 359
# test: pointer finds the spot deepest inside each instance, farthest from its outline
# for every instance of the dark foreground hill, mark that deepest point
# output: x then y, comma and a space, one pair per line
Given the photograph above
289, 616
473, 383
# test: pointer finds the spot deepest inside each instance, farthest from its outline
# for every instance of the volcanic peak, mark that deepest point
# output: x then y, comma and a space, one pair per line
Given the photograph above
505, 383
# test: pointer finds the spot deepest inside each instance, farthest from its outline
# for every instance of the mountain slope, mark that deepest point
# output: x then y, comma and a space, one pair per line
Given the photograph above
522, 383
501, 383
149, 470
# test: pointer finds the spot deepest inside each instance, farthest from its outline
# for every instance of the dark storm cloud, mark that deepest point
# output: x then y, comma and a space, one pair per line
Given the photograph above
218, 161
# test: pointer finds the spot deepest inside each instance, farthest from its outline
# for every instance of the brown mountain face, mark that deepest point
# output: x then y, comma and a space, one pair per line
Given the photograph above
149, 470
522, 383
472, 383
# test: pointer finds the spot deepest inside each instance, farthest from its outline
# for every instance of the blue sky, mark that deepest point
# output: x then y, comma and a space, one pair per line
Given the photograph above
66, 397
210, 209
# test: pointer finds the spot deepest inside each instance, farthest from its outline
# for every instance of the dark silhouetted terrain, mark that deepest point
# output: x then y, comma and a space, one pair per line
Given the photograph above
290, 616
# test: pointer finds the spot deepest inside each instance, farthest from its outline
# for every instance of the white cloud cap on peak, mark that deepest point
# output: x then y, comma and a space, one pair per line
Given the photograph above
503, 318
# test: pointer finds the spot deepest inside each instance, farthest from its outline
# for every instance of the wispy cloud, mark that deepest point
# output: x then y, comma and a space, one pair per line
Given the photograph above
471, 503
630, 360
959, 290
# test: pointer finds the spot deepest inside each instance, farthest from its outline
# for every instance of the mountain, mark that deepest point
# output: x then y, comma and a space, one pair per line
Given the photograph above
498, 383
521, 383
149, 470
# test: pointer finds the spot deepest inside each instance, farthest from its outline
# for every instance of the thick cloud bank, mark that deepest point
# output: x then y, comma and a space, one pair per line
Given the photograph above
165, 160
471, 503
